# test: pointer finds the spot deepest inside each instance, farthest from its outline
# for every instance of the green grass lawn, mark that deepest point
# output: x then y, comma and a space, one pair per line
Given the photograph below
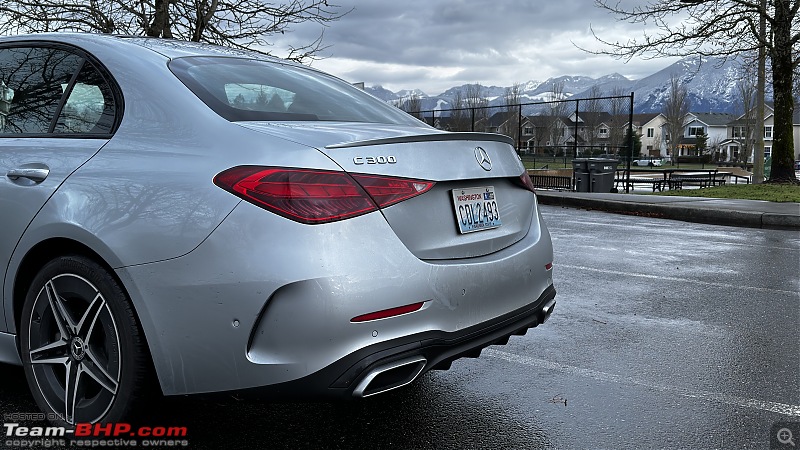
561, 163
768, 192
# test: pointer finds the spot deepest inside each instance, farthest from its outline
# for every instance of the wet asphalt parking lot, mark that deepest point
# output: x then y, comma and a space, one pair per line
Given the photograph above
666, 335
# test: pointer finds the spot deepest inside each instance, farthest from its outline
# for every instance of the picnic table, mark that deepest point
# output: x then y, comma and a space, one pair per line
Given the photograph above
703, 178
657, 179
672, 179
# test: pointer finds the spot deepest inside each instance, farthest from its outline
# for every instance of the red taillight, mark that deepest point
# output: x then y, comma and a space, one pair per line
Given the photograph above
524, 181
392, 312
316, 196
387, 191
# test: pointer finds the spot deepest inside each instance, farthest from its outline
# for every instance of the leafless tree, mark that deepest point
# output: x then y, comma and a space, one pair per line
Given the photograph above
541, 130
745, 135
477, 102
619, 116
412, 105
511, 100
675, 110
714, 146
245, 24
590, 117
558, 112
723, 28
459, 116
656, 140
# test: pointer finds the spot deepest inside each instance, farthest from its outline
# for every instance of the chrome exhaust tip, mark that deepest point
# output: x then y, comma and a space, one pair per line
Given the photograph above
547, 310
390, 376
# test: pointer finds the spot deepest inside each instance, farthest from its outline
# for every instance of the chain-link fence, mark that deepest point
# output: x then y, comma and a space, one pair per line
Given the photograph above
550, 132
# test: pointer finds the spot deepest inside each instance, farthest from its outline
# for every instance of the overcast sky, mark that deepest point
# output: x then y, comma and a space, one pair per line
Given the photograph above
436, 44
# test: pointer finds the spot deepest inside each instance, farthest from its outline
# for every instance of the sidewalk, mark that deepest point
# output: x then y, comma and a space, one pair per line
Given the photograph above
738, 213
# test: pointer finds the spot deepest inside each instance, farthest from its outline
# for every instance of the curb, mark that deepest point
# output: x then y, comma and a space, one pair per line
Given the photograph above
734, 218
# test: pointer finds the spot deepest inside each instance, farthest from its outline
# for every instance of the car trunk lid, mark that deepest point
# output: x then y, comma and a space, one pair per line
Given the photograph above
470, 169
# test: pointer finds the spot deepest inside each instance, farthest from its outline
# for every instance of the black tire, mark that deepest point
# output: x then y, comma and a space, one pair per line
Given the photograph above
635, 163
650, 164
84, 355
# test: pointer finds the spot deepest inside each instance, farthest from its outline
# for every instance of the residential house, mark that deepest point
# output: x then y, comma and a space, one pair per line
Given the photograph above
740, 128
542, 133
498, 122
712, 125
590, 132
653, 146
646, 125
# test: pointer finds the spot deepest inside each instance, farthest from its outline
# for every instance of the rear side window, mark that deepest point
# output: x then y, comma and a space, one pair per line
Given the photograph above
245, 89
50, 90
89, 107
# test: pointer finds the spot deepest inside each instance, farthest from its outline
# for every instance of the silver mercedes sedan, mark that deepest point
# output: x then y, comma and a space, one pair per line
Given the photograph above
201, 219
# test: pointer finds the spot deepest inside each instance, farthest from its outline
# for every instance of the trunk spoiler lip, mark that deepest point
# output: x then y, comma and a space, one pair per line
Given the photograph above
460, 136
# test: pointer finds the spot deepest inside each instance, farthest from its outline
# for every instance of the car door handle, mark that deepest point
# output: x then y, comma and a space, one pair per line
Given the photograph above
34, 174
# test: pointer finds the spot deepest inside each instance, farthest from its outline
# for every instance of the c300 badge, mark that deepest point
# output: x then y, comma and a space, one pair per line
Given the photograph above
374, 160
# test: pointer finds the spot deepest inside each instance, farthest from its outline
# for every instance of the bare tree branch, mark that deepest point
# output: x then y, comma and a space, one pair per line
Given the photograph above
675, 110
245, 24
725, 28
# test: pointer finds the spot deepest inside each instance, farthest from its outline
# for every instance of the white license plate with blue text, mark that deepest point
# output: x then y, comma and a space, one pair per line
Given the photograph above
476, 209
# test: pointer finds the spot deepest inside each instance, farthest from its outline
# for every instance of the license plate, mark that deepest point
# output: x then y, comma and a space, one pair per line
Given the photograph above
476, 209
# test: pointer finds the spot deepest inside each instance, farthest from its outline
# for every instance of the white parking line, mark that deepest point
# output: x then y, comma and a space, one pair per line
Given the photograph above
779, 408
682, 280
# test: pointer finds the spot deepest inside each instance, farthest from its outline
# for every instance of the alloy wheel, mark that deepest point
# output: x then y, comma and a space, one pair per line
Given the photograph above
74, 349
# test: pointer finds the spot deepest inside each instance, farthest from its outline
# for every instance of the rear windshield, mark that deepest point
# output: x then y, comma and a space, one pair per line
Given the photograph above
241, 89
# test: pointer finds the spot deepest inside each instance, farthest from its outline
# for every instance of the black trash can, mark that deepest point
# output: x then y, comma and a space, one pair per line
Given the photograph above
601, 174
580, 175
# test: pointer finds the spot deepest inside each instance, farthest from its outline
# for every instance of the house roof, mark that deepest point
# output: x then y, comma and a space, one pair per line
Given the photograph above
641, 119
541, 121
594, 118
499, 118
768, 111
714, 119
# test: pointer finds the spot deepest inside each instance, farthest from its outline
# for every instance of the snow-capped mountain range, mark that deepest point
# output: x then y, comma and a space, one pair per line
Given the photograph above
711, 83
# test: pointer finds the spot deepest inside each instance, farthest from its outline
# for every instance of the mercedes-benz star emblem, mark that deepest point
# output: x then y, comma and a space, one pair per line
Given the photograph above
483, 159
78, 348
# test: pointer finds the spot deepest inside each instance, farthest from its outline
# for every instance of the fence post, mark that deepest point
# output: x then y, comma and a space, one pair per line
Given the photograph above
575, 135
630, 146
472, 126
519, 130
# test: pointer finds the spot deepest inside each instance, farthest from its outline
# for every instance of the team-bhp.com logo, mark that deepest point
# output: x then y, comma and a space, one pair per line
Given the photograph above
93, 435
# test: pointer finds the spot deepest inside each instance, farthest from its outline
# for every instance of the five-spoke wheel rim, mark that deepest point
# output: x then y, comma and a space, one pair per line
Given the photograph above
74, 349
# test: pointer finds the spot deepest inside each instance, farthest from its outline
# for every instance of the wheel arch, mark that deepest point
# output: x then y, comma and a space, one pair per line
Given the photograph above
134, 384
47, 250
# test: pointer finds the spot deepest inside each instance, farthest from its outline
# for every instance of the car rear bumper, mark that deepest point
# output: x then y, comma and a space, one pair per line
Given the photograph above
391, 364
269, 302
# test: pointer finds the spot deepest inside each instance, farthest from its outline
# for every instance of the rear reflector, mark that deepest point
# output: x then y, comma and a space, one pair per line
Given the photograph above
548, 266
316, 196
388, 313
